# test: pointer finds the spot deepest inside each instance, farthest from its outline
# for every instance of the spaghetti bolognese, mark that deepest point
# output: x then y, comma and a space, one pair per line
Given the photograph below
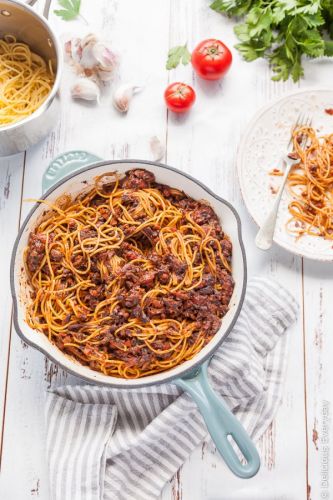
130, 278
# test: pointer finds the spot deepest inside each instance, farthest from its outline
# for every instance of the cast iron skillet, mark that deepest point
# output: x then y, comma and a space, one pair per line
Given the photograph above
75, 171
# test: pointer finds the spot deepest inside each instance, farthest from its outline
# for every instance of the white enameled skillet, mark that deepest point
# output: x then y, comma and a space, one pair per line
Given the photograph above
65, 178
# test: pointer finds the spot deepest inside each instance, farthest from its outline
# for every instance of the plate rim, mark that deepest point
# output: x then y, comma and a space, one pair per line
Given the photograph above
240, 154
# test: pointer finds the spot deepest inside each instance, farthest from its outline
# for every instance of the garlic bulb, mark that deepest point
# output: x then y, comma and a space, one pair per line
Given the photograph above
92, 57
123, 96
85, 89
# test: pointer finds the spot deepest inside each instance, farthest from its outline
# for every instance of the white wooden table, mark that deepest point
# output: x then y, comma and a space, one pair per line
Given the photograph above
297, 461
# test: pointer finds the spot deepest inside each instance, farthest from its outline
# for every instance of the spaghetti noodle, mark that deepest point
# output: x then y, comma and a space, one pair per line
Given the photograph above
311, 185
131, 278
25, 80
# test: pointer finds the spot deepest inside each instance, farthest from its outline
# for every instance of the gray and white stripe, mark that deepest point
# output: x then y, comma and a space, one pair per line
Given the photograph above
118, 445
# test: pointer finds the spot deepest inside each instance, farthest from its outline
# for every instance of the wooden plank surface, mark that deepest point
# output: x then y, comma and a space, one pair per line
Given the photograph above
204, 143
11, 177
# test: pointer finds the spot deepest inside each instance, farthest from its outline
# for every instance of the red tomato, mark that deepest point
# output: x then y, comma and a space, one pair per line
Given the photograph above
179, 97
211, 59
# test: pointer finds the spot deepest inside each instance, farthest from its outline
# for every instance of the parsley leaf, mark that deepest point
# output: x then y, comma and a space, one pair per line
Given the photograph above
178, 54
70, 10
281, 31
231, 7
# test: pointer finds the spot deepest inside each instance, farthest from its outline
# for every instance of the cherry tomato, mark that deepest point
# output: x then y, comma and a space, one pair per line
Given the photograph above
179, 97
211, 59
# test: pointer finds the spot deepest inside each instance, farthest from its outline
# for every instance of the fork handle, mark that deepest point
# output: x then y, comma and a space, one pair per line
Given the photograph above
264, 238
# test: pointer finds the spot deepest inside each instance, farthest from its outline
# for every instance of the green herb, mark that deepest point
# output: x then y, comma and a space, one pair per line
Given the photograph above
282, 31
176, 55
70, 10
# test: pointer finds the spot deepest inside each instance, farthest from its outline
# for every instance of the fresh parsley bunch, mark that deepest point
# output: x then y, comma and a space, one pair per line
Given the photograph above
281, 31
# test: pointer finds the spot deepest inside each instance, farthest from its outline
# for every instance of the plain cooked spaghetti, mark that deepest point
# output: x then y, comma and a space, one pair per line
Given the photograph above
311, 185
131, 278
25, 80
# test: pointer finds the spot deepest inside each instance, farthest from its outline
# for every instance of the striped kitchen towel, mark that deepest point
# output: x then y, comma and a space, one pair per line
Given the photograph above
125, 445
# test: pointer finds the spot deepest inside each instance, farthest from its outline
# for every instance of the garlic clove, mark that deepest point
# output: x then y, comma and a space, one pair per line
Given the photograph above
88, 60
105, 57
105, 75
73, 49
123, 95
157, 148
68, 47
87, 44
85, 89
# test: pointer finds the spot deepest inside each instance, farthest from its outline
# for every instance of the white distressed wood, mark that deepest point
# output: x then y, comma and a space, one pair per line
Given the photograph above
318, 298
11, 172
204, 144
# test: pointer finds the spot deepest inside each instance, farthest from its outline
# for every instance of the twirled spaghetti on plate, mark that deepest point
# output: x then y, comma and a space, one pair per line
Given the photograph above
311, 185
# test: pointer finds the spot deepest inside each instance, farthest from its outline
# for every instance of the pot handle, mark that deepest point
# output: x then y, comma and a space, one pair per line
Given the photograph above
65, 164
46, 9
221, 424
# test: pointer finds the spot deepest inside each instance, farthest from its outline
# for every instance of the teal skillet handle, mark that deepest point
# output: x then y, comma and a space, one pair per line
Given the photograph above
221, 423
66, 164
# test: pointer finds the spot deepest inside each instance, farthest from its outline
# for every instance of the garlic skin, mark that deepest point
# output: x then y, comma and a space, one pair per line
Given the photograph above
123, 95
85, 89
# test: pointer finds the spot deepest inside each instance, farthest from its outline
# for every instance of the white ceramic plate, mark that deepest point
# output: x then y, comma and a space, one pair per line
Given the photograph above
265, 140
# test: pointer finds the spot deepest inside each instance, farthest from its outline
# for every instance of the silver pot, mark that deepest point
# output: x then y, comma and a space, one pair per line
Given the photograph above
29, 27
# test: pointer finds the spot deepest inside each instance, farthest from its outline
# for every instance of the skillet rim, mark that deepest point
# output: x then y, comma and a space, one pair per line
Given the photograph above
127, 385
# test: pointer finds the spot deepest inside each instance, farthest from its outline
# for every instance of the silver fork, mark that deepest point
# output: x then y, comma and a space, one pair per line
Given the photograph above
264, 238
